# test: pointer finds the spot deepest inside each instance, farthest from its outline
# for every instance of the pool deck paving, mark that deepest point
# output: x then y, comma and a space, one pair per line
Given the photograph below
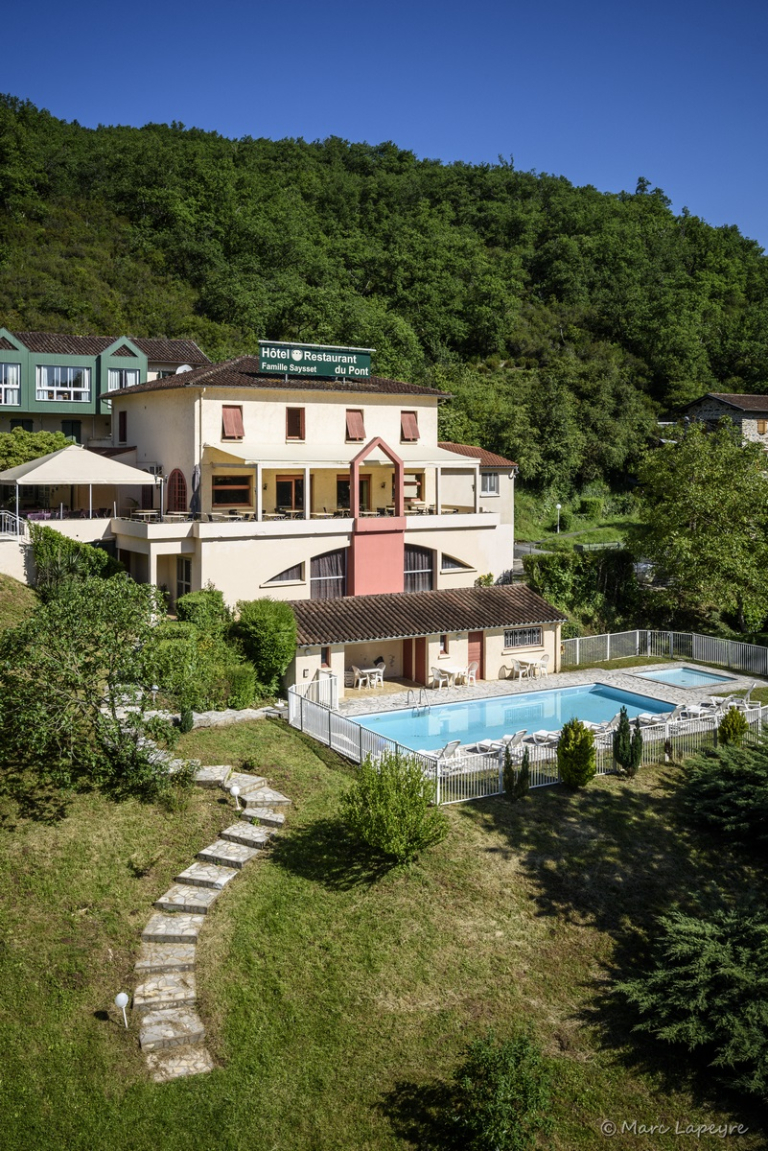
625, 680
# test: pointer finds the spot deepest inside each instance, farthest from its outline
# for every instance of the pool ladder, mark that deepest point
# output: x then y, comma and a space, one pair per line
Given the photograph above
422, 704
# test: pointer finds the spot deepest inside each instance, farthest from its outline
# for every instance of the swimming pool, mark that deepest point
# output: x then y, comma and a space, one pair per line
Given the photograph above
495, 716
685, 677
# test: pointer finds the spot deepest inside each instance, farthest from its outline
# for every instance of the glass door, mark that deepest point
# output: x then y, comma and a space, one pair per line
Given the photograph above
289, 493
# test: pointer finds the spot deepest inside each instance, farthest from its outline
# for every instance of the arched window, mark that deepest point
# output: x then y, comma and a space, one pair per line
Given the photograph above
328, 575
177, 492
419, 568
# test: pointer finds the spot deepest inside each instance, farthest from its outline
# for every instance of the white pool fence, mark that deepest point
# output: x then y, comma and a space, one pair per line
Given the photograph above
475, 776
587, 650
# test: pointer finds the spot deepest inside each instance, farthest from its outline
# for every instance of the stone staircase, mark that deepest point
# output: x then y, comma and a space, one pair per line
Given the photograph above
170, 1030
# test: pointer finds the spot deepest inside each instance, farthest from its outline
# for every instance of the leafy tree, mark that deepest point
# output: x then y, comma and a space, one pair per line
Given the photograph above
66, 676
389, 808
501, 1095
706, 990
727, 792
267, 630
705, 522
20, 447
576, 754
59, 559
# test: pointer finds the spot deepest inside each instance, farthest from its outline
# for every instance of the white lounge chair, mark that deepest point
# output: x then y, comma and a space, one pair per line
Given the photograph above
543, 738
647, 718
445, 754
441, 678
489, 746
745, 702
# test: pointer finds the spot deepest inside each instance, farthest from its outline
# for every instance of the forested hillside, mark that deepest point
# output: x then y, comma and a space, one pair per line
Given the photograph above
564, 320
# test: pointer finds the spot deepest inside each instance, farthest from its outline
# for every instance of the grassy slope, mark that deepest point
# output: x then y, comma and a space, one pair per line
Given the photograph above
16, 601
337, 1000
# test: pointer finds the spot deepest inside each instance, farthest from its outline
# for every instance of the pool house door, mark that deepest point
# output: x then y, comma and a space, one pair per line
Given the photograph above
475, 652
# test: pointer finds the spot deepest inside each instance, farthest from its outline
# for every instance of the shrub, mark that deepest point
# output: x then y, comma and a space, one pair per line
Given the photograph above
516, 780
59, 559
576, 754
389, 810
707, 990
169, 629
591, 507
205, 609
485, 580
733, 727
636, 750
242, 685
622, 741
501, 1095
727, 791
186, 720
267, 630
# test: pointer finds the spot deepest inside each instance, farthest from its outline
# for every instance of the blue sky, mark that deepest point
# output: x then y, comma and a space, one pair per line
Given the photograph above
600, 92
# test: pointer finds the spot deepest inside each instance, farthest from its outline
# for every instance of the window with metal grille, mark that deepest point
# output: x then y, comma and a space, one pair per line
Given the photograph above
232, 422
419, 569
328, 575
289, 575
355, 425
409, 427
294, 423
232, 491
177, 491
523, 637
489, 483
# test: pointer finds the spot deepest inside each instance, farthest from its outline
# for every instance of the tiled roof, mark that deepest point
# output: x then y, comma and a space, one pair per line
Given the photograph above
400, 615
243, 372
154, 347
743, 402
487, 459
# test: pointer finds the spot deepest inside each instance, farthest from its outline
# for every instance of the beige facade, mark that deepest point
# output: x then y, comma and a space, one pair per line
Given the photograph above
468, 533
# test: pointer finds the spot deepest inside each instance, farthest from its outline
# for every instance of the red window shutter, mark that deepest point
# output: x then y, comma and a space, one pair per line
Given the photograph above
232, 423
294, 423
409, 426
355, 424
122, 427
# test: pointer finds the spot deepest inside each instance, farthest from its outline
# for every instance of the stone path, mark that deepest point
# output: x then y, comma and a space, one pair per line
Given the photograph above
171, 1032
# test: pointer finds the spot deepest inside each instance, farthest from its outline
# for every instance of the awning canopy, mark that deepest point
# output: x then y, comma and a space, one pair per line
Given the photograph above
334, 455
75, 465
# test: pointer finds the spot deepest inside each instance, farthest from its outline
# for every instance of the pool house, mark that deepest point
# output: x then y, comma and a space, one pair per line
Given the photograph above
425, 638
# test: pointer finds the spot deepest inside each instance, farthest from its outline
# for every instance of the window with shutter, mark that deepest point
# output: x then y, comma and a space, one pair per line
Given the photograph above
232, 423
294, 423
409, 427
355, 425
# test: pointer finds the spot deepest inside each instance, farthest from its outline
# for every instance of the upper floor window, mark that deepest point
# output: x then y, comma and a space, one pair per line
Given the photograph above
10, 384
489, 483
409, 427
67, 384
118, 378
355, 425
419, 569
232, 422
294, 423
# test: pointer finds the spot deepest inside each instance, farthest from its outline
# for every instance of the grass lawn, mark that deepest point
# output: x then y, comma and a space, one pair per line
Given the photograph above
338, 997
16, 601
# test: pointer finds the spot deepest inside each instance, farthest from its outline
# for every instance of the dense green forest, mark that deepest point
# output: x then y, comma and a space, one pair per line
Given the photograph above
564, 320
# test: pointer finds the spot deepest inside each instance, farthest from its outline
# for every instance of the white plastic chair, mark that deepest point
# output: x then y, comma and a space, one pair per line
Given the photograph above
362, 679
441, 678
543, 665
471, 672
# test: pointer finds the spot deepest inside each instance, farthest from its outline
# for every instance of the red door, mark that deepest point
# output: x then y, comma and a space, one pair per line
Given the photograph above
420, 670
475, 652
408, 659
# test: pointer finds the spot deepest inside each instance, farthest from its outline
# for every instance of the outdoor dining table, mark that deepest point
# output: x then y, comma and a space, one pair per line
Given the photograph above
454, 672
375, 675
137, 514
532, 665
273, 515
321, 515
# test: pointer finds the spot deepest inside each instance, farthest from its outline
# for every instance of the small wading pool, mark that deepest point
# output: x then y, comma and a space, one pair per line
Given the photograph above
496, 716
685, 677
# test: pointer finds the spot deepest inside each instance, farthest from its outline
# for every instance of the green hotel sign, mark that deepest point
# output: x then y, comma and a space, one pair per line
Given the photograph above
284, 359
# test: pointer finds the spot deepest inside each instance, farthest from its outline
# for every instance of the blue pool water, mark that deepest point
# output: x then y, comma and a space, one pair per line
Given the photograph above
499, 715
684, 677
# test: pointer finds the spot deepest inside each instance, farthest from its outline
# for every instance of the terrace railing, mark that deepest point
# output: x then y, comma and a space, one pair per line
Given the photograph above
476, 776
586, 651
